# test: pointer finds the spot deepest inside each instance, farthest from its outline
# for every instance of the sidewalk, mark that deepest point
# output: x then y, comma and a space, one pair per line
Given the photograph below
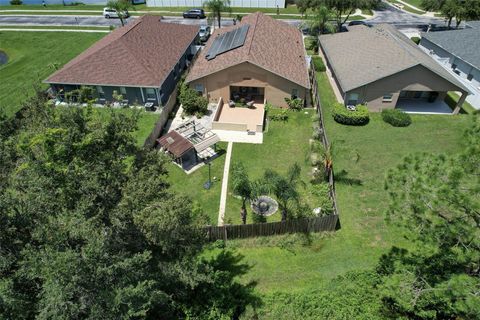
223, 195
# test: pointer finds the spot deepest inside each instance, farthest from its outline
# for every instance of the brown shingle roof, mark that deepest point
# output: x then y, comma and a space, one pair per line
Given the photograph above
270, 44
174, 143
142, 53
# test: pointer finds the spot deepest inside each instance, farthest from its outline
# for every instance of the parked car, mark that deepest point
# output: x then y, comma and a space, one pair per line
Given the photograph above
195, 14
204, 33
111, 13
358, 23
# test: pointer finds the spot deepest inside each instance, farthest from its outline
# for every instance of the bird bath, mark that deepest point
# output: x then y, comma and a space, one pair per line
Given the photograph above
264, 206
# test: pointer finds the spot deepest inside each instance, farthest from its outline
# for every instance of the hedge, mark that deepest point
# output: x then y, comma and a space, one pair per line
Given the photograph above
342, 115
396, 117
318, 64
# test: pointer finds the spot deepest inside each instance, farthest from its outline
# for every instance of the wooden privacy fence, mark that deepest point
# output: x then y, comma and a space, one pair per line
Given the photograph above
318, 106
318, 224
162, 120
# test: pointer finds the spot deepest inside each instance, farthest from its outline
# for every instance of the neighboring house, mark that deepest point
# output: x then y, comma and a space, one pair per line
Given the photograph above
382, 68
260, 59
458, 50
142, 61
233, 3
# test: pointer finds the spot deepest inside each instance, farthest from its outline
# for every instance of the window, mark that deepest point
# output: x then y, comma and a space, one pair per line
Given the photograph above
199, 87
294, 93
470, 77
387, 97
101, 93
123, 91
352, 99
151, 94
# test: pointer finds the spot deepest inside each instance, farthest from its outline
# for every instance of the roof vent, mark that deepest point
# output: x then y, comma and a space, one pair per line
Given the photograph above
170, 140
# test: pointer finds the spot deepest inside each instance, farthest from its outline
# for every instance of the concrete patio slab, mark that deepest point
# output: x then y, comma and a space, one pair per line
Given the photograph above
239, 136
424, 107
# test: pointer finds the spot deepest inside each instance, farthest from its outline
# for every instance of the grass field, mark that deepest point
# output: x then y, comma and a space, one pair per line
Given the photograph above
31, 59
99, 28
283, 144
293, 264
192, 185
406, 8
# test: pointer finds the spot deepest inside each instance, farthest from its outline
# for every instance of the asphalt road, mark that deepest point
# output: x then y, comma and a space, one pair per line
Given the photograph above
388, 14
69, 20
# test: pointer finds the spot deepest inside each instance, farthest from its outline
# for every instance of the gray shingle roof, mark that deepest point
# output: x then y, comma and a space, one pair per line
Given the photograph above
364, 55
464, 44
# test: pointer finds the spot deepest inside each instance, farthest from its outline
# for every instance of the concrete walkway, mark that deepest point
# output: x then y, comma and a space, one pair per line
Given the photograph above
223, 195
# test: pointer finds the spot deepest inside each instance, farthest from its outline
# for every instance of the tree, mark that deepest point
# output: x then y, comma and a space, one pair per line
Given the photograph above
342, 9
121, 7
216, 7
284, 187
435, 201
89, 227
459, 9
319, 21
242, 187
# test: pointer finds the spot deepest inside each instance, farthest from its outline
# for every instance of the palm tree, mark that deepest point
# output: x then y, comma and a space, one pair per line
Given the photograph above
242, 187
121, 8
326, 153
319, 21
216, 7
284, 188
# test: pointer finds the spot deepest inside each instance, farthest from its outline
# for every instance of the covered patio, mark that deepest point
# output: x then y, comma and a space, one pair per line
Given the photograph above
422, 106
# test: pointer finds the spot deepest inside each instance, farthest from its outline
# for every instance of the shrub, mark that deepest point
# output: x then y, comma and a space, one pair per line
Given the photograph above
16, 2
321, 193
192, 102
396, 118
358, 117
281, 116
318, 64
415, 39
312, 43
294, 104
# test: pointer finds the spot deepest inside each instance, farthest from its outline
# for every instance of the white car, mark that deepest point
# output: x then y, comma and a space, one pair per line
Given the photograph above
110, 13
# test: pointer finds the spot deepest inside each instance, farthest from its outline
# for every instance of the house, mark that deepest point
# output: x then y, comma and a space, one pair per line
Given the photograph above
258, 60
233, 3
459, 51
382, 68
142, 61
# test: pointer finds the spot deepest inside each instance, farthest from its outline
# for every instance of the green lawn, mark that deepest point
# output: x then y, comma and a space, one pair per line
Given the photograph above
99, 28
286, 264
192, 185
406, 8
283, 144
32, 55
415, 3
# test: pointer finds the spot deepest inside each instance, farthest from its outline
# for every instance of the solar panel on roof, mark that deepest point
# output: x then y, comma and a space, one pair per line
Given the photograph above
228, 41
